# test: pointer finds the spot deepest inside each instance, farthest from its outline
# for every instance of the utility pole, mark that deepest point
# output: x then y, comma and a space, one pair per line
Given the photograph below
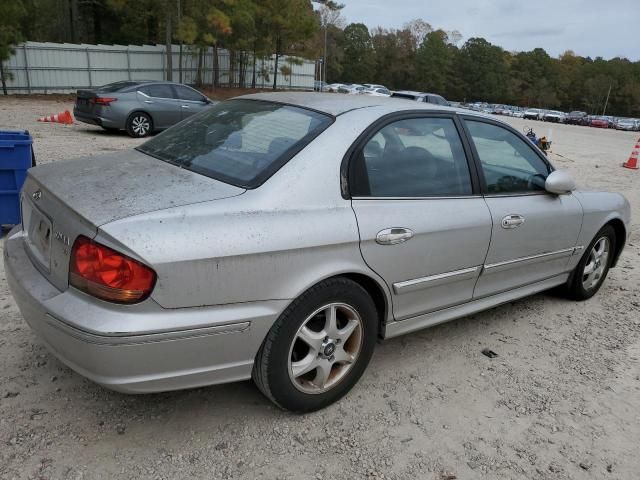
180, 55
323, 77
606, 102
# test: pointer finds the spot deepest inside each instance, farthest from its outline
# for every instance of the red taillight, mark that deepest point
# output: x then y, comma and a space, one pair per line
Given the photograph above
104, 101
107, 274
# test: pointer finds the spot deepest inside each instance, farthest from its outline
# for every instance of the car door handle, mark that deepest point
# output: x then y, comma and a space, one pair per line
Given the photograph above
148, 101
185, 106
512, 221
393, 236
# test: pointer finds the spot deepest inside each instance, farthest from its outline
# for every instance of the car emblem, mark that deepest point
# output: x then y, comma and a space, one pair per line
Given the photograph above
37, 195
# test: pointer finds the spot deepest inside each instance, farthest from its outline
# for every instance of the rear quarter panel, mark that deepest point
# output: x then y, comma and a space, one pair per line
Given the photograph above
270, 243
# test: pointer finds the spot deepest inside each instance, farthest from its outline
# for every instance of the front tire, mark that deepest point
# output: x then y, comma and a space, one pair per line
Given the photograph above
319, 347
594, 265
139, 124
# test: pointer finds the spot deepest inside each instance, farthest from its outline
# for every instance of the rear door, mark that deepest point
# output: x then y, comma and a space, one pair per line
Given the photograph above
534, 232
423, 225
159, 101
191, 101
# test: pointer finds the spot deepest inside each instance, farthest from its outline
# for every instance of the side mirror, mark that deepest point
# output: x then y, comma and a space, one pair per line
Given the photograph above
559, 182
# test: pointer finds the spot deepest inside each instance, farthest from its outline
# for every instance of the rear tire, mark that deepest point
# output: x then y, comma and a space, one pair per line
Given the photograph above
306, 361
591, 271
139, 124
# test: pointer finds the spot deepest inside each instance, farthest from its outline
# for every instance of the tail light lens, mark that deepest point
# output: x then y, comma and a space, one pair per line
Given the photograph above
104, 273
104, 101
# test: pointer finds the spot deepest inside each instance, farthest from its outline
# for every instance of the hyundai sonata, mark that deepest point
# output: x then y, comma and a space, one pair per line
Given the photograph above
280, 236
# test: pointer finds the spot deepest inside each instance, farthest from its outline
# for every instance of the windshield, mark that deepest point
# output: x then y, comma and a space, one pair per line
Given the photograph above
241, 142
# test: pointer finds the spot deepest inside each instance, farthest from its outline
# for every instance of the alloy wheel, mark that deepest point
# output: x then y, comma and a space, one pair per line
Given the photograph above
140, 125
596, 264
325, 348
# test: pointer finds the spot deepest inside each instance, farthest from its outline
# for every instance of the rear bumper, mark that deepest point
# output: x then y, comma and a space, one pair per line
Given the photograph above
94, 119
162, 349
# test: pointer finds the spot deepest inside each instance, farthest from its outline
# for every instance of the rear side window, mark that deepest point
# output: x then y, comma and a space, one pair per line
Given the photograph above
241, 142
157, 91
417, 157
186, 93
509, 163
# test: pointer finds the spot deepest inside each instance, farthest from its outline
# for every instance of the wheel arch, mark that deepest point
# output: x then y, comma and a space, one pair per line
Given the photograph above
621, 237
378, 295
372, 286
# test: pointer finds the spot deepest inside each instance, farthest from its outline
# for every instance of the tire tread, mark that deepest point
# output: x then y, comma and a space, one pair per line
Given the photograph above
261, 363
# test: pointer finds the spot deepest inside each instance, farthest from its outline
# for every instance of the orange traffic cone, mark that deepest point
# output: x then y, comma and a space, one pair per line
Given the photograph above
633, 158
62, 117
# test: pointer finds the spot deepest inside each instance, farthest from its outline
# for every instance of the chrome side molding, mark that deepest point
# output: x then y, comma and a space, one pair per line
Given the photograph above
432, 280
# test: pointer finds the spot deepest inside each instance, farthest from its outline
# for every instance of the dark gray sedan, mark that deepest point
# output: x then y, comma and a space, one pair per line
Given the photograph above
139, 107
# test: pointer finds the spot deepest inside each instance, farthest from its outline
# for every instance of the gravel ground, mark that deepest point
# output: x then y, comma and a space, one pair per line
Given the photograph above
561, 401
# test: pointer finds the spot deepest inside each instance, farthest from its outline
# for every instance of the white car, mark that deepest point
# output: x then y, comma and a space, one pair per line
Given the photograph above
353, 89
334, 87
373, 86
377, 92
533, 114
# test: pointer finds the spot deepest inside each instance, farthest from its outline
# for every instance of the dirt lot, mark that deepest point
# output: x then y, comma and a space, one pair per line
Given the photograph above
562, 400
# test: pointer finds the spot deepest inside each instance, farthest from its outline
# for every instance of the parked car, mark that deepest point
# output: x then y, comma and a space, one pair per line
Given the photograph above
222, 249
533, 114
599, 122
334, 87
421, 97
554, 116
139, 107
577, 118
373, 86
352, 89
629, 124
377, 92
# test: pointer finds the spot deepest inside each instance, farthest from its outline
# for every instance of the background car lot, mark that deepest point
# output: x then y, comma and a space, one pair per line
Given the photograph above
560, 401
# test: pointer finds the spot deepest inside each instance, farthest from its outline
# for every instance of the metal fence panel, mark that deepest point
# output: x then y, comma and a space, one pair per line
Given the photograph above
42, 67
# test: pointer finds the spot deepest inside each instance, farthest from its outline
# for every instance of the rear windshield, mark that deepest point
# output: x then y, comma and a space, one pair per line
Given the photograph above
116, 87
241, 142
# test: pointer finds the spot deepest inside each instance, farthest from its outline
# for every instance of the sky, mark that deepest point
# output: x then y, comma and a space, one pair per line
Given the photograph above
608, 28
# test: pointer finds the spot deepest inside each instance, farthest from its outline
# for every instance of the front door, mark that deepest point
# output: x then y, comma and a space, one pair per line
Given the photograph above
158, 100
423, 226
191, 101
534, 232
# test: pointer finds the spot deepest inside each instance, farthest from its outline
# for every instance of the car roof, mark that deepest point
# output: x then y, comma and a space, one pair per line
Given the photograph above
337, 104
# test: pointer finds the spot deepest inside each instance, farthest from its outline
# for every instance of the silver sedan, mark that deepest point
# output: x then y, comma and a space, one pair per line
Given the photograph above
280, 236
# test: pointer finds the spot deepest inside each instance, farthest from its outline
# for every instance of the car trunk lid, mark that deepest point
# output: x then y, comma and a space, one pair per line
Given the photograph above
64, 200
85, 101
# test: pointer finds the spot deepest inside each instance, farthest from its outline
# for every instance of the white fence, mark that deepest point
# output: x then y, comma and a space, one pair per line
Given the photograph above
64, 67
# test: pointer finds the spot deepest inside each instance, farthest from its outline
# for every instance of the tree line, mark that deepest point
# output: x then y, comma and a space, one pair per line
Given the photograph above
420, 57
416, 56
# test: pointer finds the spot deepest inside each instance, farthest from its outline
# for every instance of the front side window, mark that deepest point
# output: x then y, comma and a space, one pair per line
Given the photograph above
509, 164
417, 157
186, 93
241, 142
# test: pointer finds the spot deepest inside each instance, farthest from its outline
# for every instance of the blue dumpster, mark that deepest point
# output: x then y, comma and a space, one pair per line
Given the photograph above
16, 156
